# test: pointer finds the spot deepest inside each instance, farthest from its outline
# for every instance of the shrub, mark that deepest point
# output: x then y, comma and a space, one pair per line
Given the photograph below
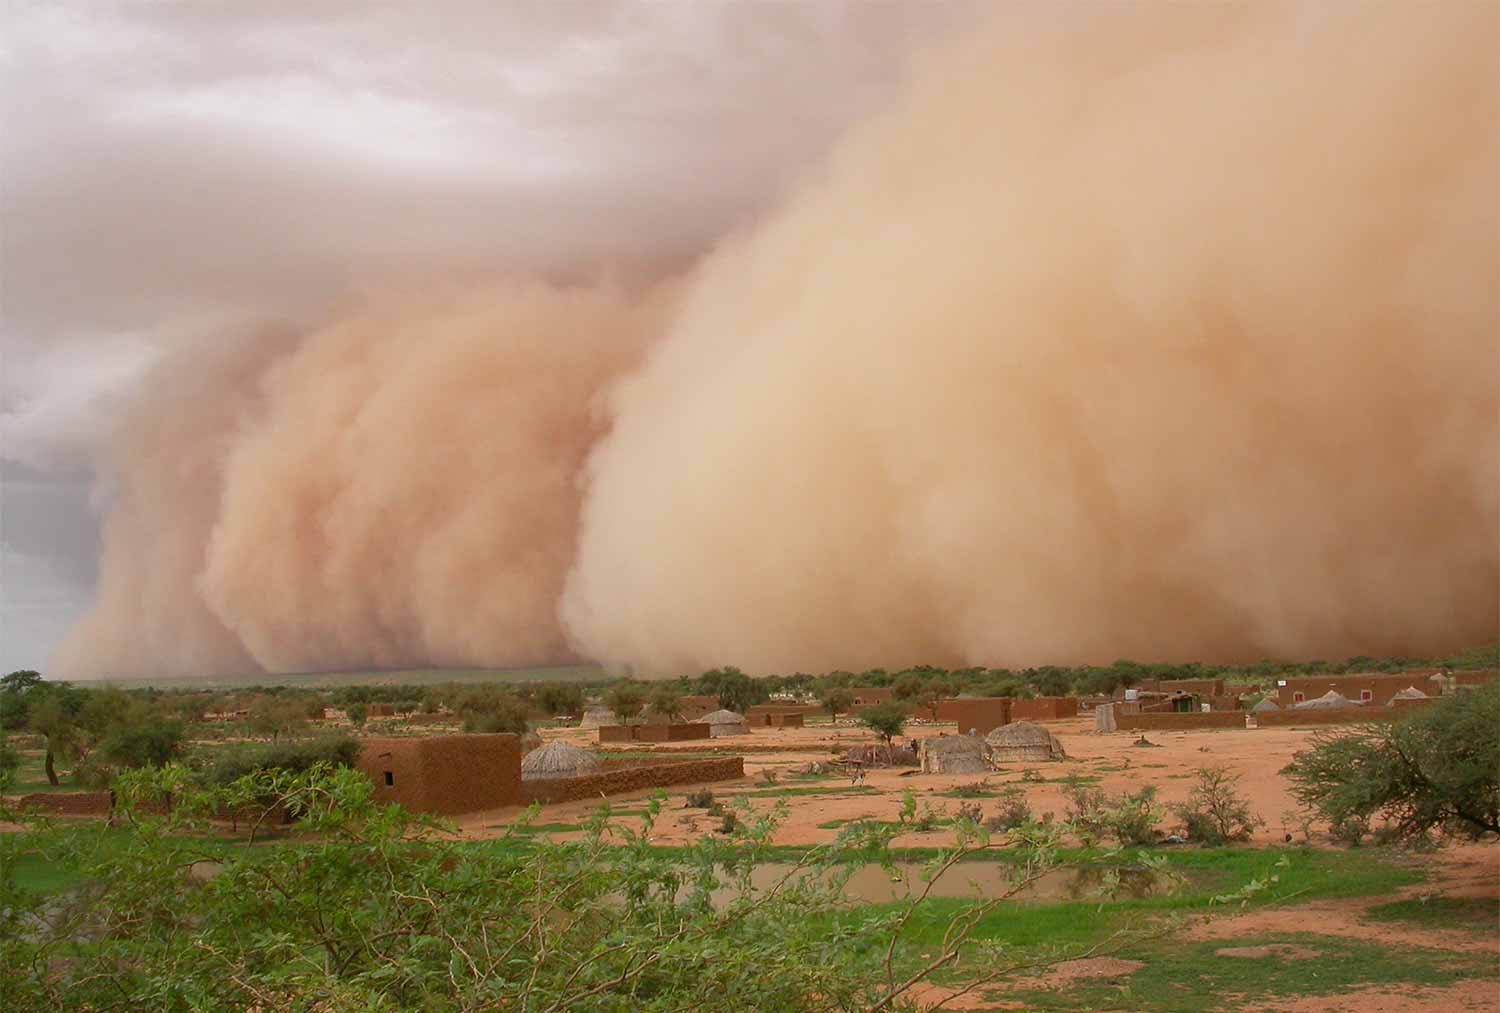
1013, 811
1128, 819
884, 719
1437, 769
294, 757
1214, 812
702, 799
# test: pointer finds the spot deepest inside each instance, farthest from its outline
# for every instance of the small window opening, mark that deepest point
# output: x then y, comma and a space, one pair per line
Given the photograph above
390, 778
1366, 695
1297, 698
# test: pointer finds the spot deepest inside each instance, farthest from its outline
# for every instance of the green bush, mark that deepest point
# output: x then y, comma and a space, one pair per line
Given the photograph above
1215, 813
1436, 769
231, 764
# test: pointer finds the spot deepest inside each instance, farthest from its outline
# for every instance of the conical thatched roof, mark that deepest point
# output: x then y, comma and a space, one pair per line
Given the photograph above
557, 760
1265, 705
1410, 693
1330, 699
952, 754
1023, 740
596, 717
724, 722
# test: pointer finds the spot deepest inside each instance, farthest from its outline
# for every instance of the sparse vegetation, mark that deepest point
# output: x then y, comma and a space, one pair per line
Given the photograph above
1435, 770
1215, 813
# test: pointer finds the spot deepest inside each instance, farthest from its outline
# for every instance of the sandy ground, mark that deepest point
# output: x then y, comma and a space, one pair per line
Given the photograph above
1119, 764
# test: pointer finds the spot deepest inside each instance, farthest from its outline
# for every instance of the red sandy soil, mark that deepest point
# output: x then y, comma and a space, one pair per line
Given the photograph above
1121, 766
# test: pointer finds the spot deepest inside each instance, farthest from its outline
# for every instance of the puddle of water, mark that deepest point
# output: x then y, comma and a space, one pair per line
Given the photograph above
872, 884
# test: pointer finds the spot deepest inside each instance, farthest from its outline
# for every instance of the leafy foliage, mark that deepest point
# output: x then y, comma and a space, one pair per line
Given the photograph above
1215, 813
884, 719
1437, 769
380, 909
231, 765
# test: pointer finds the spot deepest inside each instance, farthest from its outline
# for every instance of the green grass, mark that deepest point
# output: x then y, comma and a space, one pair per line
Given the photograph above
852, 789
1475, 914
31, 776
53, 859
1192, 978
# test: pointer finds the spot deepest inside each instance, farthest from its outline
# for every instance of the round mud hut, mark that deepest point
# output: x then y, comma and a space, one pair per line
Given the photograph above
598, 717
725, 722
1333, 698
952, 754
1023, 742
558, 760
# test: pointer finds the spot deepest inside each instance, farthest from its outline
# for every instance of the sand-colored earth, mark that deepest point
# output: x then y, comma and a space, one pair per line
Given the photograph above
1118, 764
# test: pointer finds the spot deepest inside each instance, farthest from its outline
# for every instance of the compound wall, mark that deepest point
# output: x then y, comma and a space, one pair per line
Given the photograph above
980, 716
634, 778
1044, 708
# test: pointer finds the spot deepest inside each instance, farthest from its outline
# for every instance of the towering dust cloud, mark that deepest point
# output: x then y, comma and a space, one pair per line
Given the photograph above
1159, 331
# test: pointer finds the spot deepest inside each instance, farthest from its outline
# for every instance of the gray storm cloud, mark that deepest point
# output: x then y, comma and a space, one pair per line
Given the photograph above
1165, 332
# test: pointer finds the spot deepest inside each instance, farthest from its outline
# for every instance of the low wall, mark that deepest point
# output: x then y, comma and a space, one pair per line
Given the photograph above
67, 803
980, 715
654, 733
1330, 716
635, 778
1044, 708
1168, 720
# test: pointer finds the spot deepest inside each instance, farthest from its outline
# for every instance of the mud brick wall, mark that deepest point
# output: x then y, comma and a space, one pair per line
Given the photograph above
755, 714
982, 715
671, 733
616, 733
1224, 703
634, 778
1044, 708
71, 803
1329, 716
1381, 687
1169, 721
445, 774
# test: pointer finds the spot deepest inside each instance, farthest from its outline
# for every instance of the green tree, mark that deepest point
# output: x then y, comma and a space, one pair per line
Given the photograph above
625, 698
55, 718
20, 681
666, 700
150, 743
358, 713
1435, 769
884, 719
560, 698
736, 690
837, 700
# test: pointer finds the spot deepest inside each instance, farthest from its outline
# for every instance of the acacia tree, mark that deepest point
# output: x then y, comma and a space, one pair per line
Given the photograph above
666, 700
625, 698
836, 700
1436, 769
885, 720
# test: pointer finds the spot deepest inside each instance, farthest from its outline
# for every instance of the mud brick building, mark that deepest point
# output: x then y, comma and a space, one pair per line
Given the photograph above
445, 774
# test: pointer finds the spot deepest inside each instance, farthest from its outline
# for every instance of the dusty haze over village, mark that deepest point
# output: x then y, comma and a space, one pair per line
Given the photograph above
825, 337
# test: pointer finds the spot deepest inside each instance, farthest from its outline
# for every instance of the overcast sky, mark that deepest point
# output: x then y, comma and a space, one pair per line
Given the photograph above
178, 172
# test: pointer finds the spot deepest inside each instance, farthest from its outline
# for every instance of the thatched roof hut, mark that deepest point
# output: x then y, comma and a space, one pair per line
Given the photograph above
1265, 705
724, 722
597, 717
558, 760
1333, 698
1023, 742
1409, 693
952, 754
